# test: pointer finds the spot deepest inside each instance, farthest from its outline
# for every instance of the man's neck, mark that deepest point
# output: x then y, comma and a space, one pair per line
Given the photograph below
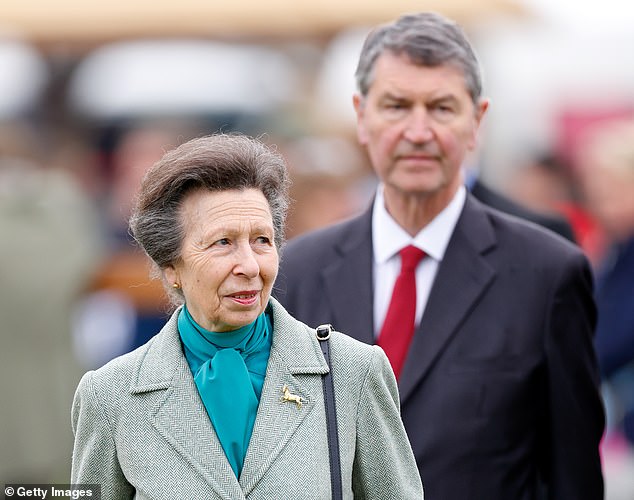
414, 211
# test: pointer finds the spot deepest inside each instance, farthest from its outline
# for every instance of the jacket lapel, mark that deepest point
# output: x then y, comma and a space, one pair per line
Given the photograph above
293, 352
179, 416
348, 281
463, 276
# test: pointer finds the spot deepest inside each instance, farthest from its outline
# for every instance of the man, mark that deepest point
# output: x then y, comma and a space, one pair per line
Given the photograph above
498, 384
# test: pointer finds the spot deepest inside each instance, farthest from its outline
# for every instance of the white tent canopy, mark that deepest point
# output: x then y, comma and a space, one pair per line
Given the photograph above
181, 76
23, 76
81, 20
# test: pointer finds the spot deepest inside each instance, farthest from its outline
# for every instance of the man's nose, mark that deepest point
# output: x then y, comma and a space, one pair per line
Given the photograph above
418, 127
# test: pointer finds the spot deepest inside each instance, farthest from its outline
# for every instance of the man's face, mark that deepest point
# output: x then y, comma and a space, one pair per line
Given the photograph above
417, 123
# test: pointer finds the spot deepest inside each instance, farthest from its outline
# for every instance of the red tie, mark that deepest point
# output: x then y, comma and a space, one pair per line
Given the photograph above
398, 327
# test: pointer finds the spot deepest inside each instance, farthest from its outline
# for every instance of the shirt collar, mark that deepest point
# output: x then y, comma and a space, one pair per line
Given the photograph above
432, 239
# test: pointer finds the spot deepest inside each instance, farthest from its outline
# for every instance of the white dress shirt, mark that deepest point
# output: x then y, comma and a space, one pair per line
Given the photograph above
388, 238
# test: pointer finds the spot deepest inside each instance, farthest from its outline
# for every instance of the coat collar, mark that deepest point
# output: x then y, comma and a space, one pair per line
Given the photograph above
295, 351
164, 358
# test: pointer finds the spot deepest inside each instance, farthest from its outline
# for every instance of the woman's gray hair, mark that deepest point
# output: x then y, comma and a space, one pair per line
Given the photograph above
428, 39
218, 162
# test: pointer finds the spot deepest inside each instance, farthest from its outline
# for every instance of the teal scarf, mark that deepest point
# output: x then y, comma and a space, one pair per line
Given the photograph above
228, 370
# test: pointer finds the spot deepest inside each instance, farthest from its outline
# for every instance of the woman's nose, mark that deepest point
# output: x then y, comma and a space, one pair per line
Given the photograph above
246, 262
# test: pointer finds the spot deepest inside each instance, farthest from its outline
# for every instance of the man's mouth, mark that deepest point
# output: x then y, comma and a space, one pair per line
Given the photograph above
421, 157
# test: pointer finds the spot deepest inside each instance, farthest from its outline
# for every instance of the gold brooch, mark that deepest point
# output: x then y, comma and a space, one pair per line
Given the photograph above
293, 398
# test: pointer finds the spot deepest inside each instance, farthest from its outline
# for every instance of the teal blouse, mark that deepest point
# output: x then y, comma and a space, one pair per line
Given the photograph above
229, 370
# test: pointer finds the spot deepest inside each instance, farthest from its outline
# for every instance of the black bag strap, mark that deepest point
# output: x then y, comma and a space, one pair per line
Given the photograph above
323, 334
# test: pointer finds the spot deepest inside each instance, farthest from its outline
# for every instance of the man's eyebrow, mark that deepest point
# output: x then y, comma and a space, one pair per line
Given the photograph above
390, 96
444, 98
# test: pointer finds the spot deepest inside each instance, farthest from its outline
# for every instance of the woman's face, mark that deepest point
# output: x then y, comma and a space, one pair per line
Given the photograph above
228, 257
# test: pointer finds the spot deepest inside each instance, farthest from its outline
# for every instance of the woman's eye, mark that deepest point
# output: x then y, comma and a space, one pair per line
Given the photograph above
222, 242
264, 240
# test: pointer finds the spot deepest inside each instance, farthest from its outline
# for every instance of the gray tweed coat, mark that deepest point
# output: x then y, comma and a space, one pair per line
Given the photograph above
141, 430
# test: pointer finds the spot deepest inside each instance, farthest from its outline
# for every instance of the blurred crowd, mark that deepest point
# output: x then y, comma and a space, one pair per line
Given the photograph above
594, 190
77, 292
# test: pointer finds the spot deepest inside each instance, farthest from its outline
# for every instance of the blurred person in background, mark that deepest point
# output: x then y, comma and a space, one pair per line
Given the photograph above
125, 307
546, 182
542, 182
50, 247
537, 213
607, 172
330, 182
487, 320
199, 411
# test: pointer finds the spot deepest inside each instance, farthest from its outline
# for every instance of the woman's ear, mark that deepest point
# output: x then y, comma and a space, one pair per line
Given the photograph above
171, 276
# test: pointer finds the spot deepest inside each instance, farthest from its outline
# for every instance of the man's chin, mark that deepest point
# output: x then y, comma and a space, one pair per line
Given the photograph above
421, 185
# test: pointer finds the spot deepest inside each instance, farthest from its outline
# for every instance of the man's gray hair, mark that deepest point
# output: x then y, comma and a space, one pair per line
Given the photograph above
427, 39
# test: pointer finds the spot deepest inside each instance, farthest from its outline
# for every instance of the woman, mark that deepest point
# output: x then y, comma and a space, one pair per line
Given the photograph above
226, 401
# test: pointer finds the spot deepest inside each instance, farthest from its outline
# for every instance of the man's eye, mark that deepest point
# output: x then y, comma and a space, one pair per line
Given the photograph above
443, 109
222, 242
264, 240
394, 105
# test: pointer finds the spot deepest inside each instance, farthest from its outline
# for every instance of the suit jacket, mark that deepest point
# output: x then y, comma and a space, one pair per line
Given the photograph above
141, 430
500, 388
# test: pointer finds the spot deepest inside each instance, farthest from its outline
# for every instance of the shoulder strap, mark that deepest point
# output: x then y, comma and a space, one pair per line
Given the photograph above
323, 334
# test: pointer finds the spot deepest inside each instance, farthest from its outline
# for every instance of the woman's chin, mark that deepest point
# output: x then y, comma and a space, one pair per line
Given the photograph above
238, 320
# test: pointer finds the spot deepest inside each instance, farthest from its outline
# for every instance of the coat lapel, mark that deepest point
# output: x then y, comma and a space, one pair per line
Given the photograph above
295, 351
348, 281
463, 276
180, 417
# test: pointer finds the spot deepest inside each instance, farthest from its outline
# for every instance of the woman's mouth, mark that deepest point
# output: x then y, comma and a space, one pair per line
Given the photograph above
245, 297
